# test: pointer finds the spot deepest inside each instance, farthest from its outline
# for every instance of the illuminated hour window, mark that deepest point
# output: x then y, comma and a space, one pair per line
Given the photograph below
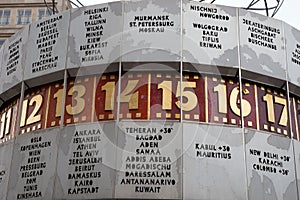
44, 13
24, 16
4, 16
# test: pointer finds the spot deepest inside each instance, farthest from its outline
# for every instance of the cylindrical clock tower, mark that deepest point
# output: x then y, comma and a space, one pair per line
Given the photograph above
151, 99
